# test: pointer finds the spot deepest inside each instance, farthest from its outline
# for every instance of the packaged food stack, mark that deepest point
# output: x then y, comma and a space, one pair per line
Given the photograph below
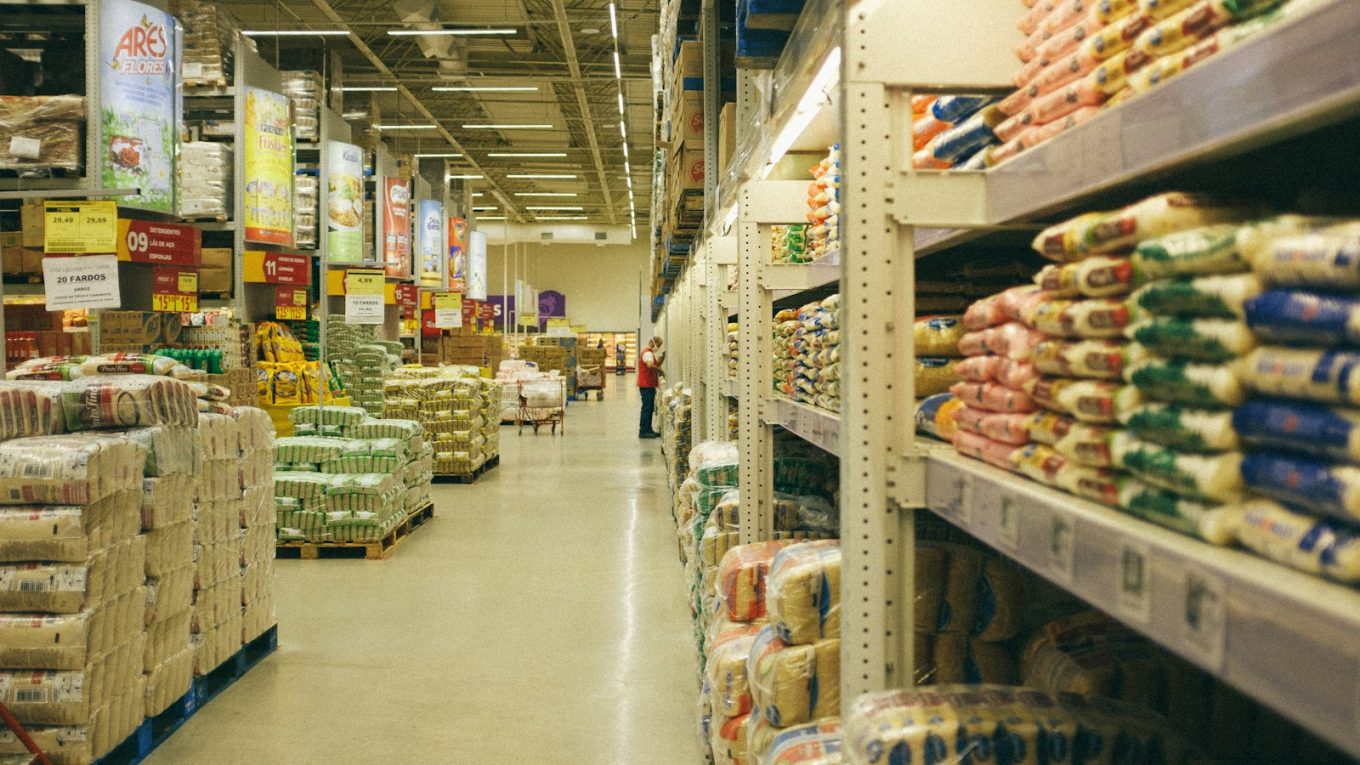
937, 350
817, 341
787, 326
942, 723
216, 616
1090, 653
713, 471
209, 43
823, 233
255, 534
1079, 57
205, 171
677, 430
488, 404
305, 210
968, 606
453, 409
953, 131
304, 89
1297, 427
733, 348
417, 472
788, 244
284, 375
733, 418
989, 420
343, 341
41, 133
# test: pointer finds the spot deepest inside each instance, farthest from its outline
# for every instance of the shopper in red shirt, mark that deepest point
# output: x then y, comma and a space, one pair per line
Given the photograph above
648, 371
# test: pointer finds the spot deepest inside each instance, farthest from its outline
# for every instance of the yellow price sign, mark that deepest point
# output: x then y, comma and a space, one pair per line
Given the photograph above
80, 227
188, 281
174, 303
448, 301
365, 282
291, 312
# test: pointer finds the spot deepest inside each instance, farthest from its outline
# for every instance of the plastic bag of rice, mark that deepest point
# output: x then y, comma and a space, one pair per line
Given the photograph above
74, 469
127, 401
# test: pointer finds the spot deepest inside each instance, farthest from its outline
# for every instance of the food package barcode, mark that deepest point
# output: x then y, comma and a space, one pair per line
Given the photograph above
30, 696
35, 585
39, 469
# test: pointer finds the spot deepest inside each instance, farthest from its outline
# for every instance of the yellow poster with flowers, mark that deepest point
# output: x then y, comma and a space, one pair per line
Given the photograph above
268, 169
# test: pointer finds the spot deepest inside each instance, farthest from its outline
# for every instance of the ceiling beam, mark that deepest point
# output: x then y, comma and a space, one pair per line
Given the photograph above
334, 16
574, 67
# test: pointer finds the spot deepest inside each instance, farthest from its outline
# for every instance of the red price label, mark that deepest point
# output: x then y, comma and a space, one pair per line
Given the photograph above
408, 295
174, 290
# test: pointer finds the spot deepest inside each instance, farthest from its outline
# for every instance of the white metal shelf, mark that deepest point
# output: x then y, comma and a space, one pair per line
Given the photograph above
818, 427
1283, 637
800, 277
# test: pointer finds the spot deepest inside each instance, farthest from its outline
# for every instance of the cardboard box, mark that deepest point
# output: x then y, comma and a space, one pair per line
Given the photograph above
687, 120
216, 257
214, 280
31, 221
32, 260
689, 62
131, 327
687, 168
727, 137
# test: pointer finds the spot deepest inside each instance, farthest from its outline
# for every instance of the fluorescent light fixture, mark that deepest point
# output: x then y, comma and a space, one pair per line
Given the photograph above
613, 21
448, 155
485, 89
509, 126
464, 177
543, 176
620, 103
369, 89
566, 208
526, 154
623, 129
625, 150
629, 178
618, 67
488, 208
808, 106
627, 168
417, 126
490, 217
296, 33
546, 194
562, 217
354, 115
478, 194
448, 32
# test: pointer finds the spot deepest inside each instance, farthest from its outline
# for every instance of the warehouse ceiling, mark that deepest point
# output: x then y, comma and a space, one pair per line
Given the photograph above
559, 52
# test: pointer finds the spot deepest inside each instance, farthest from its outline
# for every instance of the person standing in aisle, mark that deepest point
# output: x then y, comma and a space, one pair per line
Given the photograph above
650, 360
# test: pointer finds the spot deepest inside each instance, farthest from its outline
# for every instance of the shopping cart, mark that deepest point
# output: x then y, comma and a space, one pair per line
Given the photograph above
590, 379
543, 402
18, 730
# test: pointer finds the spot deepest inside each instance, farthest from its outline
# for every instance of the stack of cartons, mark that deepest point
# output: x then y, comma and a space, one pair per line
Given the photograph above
135, 331
214, 271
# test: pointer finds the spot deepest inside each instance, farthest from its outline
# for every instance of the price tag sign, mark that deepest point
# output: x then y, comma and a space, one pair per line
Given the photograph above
290, 304
80, 227
1135, 582
173, 290
277, 268
1204, 618
85, 282
1062, 548
364, 290
188, 282
448, 310
174, 303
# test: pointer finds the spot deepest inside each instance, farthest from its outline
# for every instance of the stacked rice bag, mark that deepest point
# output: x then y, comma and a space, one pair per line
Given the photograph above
937, 350
952, 131
968, 605
823, 232
784, 370
788, 244
818, 355
1299, 428
460, 413
1079, 57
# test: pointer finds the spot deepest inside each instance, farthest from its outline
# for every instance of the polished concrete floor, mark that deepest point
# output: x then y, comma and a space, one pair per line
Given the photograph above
540, 617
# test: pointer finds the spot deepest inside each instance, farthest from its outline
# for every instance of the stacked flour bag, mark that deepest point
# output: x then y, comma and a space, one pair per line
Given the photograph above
726, 702
784, 368
255, 532
953, 131
994, 374
793, 670
968, 607
822, 235
416, 471
73, 561
1301, 426
788, 244
953, 723
817, 346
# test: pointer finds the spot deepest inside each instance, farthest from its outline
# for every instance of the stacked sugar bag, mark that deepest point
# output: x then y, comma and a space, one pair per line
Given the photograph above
817, 355
953, 131
1299, 426
950, 723
822, 235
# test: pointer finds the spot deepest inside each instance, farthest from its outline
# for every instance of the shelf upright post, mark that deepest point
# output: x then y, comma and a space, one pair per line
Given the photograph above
756, 438
715, 342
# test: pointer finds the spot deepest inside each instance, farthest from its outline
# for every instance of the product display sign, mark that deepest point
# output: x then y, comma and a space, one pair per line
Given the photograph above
276, 268
138, 125
396, 212
430, 242
290, 304
141, 241
174, 290
458, 254
81, 282
448, 310
80, 228
364, 292
408, 295
486, 314
268, 168
502, 306
344, 202
476, 266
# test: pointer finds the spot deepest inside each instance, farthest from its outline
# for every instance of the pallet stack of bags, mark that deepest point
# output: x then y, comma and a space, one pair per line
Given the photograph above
458, 410
256, 533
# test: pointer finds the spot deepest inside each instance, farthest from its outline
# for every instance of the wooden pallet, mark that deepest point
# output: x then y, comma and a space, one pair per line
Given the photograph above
375, 550
155, 730
468, 477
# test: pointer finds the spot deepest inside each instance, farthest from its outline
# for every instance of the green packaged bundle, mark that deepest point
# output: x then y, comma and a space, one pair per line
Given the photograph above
302, 485
313, 449
387, 428
359, 463
343, 416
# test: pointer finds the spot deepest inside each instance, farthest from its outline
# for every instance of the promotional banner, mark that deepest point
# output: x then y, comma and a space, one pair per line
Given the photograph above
137, 103
552, 303
396, 213
344, 203
430, 242
458, 254
476, 266
269, 168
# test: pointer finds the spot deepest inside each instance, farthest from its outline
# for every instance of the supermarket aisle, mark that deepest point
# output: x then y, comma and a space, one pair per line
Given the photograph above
539, 618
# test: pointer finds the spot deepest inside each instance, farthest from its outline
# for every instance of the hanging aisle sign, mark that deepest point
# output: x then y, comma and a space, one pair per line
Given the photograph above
430, 243
80, 228
476, 266
344, 203
141, 241
89, 281
448, 310
364, 293
137, 103
276, 268
269, 168
396, 212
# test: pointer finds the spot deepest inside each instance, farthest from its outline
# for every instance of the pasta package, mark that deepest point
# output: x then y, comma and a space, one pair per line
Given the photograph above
1217, 296
1326, 376
1300, 541
1305, 483
1216, 477
1184, 428
1114, 231
955, 723
1213, 523
938, 335
741, 579
1330, 433
1179, 382
1306, 318
803, 591
1093, 318
793, 684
